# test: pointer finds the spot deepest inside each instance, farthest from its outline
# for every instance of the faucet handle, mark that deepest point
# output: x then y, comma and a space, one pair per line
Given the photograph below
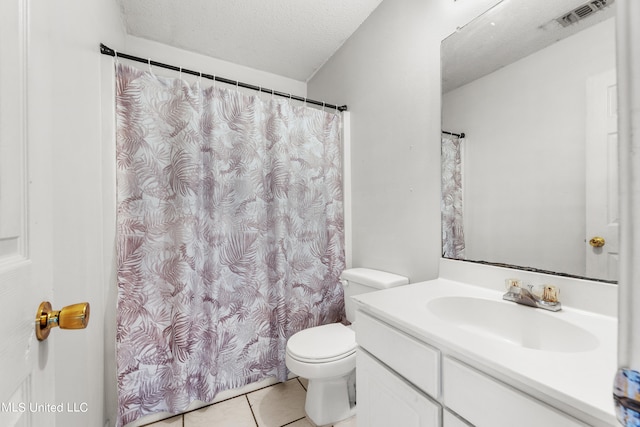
547, 293
550, 293
510, 284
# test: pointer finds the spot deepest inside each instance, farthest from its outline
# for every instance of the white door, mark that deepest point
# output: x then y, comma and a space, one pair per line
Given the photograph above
26, 365
602, 212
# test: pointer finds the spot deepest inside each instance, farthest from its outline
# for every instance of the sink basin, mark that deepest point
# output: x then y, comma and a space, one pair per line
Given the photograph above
509, 322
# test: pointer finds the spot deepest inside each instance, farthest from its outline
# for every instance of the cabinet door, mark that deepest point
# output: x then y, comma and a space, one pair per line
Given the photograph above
403, 354
485, 402
384, 399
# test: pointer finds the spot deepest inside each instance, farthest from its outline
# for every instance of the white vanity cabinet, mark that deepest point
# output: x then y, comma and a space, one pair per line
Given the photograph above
406, 382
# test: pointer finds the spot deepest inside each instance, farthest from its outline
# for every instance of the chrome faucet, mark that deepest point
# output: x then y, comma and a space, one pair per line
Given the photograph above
547, 299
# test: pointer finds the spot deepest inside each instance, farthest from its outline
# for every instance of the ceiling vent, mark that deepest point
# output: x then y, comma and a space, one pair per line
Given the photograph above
583, 11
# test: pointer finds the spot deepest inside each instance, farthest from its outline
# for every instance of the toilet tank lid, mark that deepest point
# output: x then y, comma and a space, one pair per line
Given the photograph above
373, 278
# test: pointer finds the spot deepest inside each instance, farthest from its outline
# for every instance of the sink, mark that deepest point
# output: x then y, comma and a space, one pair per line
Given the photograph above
509, 322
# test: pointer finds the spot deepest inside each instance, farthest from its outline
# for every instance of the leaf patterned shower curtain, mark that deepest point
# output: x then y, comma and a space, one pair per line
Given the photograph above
451, 202
229, 237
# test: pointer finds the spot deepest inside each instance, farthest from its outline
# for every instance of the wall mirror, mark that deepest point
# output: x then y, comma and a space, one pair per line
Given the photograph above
533, 183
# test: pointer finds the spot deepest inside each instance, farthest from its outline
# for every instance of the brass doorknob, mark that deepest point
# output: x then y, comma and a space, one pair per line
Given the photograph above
597, 242
74, 316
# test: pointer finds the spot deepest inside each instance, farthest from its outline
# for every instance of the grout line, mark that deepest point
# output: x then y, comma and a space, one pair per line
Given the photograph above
298, 378
255, 420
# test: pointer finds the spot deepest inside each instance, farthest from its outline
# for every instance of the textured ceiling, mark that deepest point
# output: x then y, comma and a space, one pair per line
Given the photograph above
506, 33
291, 38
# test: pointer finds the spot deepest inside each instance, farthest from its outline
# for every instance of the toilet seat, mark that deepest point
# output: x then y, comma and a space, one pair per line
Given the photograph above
322, 344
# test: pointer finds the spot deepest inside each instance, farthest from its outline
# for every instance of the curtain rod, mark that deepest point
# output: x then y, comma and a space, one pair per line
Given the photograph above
459, 135
105, 50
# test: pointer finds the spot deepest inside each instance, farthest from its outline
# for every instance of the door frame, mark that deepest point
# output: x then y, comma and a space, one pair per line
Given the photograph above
628, 66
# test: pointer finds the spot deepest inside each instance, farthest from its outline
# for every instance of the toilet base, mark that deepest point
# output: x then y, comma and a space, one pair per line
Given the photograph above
329, 401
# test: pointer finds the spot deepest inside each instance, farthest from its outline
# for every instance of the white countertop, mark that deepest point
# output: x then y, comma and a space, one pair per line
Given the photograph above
579, 383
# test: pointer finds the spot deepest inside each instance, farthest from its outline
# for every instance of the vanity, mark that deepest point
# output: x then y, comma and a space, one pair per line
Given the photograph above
451, 352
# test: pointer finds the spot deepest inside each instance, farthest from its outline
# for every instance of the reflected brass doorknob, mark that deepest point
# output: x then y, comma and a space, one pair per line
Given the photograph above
597, 242
74, 316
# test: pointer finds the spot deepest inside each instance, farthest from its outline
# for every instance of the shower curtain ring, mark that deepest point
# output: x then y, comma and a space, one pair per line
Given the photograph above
180, 75
149, 63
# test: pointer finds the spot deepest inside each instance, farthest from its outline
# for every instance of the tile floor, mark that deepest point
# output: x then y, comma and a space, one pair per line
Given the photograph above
274, 406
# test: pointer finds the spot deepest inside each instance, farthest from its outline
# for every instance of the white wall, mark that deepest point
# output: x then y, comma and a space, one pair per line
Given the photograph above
181, 58
388, 73
524, 155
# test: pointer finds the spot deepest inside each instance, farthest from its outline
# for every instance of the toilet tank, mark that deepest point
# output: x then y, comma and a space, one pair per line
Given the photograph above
360, 280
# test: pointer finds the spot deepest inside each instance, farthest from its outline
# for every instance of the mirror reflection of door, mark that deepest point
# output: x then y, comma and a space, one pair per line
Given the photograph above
602, 213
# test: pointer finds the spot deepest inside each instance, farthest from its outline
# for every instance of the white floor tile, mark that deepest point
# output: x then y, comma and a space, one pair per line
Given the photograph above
349, 422
279, 404
229, 413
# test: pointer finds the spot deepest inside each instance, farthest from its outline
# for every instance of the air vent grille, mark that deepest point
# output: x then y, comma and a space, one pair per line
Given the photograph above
583, 11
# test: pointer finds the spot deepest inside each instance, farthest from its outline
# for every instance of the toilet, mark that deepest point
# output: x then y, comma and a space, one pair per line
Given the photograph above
326, 355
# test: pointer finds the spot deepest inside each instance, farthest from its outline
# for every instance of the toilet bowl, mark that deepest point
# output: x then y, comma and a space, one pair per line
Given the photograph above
326, 355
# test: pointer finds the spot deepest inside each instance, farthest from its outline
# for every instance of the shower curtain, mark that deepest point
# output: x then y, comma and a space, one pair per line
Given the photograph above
451, 201
229, 237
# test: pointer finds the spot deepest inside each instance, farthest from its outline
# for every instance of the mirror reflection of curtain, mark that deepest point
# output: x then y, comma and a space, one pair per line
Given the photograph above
451, 202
